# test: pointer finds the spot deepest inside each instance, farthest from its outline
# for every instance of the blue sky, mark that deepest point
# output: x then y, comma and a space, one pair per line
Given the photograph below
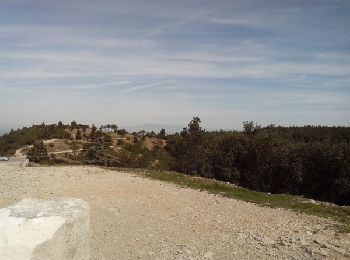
161, 61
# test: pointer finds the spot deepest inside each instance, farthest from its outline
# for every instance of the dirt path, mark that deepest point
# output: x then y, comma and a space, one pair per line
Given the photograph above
138, 218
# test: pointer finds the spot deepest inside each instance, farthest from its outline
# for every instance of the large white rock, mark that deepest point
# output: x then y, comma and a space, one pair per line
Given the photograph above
38, 229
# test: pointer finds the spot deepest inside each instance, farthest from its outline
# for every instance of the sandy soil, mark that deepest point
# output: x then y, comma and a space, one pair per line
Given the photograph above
138, 218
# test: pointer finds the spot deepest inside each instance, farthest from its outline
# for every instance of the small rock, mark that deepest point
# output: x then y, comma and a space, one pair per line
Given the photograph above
323, 252
268, 241
281, 243
209, 255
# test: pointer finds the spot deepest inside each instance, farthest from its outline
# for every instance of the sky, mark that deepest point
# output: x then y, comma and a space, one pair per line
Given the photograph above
283, 62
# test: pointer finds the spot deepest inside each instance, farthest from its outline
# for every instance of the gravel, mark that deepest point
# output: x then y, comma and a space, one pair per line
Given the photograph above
139, 218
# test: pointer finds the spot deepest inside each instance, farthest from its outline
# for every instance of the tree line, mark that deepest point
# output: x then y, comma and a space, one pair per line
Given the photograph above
312, 161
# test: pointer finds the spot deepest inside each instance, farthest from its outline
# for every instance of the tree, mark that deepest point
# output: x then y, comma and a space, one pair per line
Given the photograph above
162, 134
78, 135
93, 135
189, 149
73, 125
122, 132
107, 140
74, 147
38, 152
250, 128
115, 128
98, 154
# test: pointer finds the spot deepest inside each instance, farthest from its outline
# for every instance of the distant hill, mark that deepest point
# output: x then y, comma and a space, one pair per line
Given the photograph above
15, 139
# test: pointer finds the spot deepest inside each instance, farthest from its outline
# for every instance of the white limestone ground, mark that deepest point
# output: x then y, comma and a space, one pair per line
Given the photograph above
38, 229
139, 218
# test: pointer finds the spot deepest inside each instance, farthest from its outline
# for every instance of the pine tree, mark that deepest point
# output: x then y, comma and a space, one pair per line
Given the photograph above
78, 135
38, 152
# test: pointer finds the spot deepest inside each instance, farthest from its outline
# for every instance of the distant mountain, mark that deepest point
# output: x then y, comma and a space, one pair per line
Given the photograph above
155, 127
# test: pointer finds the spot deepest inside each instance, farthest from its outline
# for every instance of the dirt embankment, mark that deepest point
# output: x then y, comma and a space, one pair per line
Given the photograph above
138, 218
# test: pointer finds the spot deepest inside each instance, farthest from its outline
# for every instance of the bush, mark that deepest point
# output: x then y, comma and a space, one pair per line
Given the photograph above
38, 152
98, 154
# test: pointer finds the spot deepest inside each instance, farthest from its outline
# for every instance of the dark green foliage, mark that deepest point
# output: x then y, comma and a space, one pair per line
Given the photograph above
262, 163
309, 161
250, 128
131, 155
93, 135
78, 135
134, 156
326, 171
74, 146
98, 154
162, 134
122, 132
107, 139
310, 134
151, 134
38, 152
189, 149
73, 125
312, 161
14, 140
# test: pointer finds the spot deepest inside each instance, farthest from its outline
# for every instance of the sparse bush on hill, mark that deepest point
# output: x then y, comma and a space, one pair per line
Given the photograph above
17, 139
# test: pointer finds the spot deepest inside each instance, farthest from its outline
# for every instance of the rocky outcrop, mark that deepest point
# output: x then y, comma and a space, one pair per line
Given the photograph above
38, 229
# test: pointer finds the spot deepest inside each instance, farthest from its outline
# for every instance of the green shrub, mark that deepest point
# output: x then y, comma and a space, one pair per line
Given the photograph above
38, 152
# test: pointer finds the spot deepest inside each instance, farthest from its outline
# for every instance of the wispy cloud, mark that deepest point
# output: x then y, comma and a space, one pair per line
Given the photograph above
101, 86
146, 86
210, 58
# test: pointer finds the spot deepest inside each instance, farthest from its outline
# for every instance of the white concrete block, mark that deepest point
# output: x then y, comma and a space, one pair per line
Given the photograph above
38, 229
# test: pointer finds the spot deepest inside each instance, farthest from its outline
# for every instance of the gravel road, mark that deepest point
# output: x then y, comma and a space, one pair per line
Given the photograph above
138, 218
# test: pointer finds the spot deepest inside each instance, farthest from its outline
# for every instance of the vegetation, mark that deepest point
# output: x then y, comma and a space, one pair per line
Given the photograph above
17, 139
310, 161
78, 135
38, 153
131, 155
269, 160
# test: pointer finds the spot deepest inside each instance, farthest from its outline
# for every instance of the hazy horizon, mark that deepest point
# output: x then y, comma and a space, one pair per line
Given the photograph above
164, 62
